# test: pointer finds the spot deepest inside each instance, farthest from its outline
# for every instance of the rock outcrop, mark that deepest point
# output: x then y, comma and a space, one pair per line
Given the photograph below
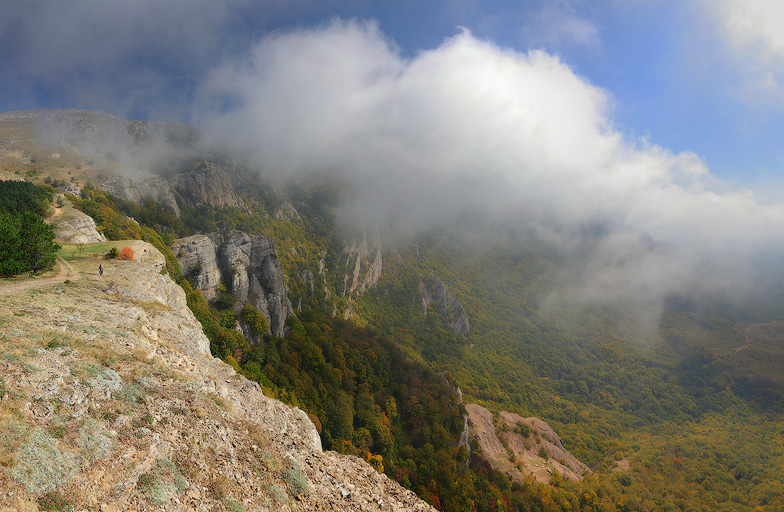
198, 259
250, 266
450, 310
72, 226
110, 402
286, 211
363, 268
207, 183
536, 448
154, 188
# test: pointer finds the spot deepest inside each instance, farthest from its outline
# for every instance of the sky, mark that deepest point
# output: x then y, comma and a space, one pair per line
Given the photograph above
659, 116
702, 76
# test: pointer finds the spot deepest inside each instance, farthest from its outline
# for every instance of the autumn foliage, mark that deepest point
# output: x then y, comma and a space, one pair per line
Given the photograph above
126, 253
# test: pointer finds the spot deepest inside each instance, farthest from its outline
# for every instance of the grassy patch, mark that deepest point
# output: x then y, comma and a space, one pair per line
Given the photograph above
54, 501
163, 483
12, 433
95, 442
73, 252
43, 465
296, 479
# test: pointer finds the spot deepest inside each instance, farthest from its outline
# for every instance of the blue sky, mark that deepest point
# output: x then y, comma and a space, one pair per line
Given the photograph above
685, 76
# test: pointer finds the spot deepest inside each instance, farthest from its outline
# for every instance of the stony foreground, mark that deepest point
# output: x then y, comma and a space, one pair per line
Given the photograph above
110, 401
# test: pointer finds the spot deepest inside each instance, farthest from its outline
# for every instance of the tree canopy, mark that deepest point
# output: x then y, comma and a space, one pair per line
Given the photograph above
26, 242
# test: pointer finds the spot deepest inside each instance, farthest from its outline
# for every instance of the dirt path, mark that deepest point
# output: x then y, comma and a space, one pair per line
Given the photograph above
66, 272
57, 211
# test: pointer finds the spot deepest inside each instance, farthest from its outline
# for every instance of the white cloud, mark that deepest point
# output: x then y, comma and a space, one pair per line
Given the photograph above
757, 23
753, 30
557, 25
465, 127
469, 129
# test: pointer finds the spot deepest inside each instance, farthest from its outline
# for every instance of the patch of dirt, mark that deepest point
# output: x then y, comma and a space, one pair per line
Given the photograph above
622, 465
67, 272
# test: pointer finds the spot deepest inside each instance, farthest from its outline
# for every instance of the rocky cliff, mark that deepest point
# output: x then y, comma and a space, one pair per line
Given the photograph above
110, 401
450, 310
72, 226
362, 270
521, 447
154, 188
250, 266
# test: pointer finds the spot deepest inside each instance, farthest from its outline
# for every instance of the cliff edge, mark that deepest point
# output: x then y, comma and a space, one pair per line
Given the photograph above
109, 400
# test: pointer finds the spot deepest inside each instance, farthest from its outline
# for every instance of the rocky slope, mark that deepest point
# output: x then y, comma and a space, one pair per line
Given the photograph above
109, 401
72, 226
521, 447
450, 310
133, 160
249, 264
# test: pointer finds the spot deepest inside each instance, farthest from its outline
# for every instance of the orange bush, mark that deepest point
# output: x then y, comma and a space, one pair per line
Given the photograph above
126, 253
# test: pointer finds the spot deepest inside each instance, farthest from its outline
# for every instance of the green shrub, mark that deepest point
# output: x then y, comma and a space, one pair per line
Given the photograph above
298, 482
43, 465
163, 483
54, 501
94, 441
279, 495
234, 506
257, 322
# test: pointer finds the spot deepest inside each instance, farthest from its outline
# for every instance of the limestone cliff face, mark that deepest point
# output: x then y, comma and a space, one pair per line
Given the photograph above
363, 268
249, 262
72, 226
151, 421
154, 188
449, 309
207, 183
525, 439
198, 258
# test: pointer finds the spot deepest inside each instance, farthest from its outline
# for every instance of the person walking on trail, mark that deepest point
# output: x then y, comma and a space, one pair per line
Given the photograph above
100, 269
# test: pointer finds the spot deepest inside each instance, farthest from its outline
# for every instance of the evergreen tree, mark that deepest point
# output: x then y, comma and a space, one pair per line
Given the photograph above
26, 244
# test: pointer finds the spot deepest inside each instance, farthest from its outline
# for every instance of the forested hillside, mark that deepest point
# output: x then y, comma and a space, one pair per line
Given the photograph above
663, 422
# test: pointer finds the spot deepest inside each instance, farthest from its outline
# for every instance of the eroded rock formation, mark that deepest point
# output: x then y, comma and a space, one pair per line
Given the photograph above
522, 447
362, 268
450, 310
248, 265
72, 226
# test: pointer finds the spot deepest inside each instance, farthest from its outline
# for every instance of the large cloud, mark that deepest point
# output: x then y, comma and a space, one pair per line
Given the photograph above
471, 130
465, 128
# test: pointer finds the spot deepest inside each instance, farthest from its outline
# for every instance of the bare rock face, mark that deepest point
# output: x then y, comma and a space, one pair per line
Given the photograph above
198, 258
153, 188
449, 308
249, 262
363, 268
74, 227
286, 211
536, 448
207, 183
